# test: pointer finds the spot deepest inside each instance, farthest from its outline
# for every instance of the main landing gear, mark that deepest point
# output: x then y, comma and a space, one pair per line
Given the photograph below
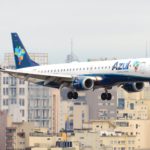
106, 95
72, 95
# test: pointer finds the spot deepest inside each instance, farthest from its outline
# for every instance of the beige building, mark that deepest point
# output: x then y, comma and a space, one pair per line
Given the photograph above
135, 104
134, 116
55, 112
13, 135
137, 128
66, 114
44, 141
73, 115
101, 135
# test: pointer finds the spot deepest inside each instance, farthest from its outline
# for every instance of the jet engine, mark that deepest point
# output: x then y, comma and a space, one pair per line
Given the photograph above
133, 87
83, 83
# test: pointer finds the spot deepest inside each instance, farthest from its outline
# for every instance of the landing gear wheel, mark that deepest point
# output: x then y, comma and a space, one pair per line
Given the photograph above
103, 96
106, 96
109, 96
70, 95
75, 95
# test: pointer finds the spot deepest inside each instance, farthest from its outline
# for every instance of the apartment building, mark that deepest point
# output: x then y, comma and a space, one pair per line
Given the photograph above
101, 135
33, 101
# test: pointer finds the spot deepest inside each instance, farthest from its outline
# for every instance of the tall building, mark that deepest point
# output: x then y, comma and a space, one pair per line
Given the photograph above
55, 111
13, 91
33, 101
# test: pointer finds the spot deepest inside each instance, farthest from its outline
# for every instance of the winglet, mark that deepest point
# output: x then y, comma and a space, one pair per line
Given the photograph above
22, 59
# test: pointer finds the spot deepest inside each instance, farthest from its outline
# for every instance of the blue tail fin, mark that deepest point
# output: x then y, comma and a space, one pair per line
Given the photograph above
22, 59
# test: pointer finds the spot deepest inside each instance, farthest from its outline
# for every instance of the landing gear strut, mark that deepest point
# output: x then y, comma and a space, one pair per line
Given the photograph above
106, 95
72, 95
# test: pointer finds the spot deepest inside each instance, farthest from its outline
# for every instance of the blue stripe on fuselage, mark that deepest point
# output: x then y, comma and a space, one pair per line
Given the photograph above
114, 79
108, 80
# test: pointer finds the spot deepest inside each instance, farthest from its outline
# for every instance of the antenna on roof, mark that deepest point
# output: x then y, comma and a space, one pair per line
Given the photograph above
71, 44
71, 57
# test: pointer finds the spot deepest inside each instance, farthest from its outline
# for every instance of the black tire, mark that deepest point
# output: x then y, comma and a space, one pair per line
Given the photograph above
75, 95
70, 95
109, 96
103, 96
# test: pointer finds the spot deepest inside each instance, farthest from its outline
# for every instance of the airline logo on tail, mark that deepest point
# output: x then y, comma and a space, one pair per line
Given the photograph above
19, 52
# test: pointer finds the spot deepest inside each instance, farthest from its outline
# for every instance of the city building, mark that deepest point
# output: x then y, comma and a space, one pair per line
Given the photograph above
99, 109
32, 101
55, 112
137, 128
133, 115
101, 135
44, 141
13, 135
3, 123
67, 114
73, 115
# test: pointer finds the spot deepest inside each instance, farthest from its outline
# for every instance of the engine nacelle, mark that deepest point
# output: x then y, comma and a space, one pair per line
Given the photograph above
83, 83
133, 87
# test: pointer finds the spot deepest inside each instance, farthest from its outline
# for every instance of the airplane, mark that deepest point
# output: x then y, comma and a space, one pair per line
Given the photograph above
130, 74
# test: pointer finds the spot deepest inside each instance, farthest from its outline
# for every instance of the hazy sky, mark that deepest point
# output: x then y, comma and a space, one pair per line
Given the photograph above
99, 28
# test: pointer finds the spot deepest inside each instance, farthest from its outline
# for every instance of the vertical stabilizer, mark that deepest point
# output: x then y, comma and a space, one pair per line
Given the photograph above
22, 59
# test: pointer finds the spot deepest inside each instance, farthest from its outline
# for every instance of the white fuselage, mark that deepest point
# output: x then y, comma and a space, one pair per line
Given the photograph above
135, 67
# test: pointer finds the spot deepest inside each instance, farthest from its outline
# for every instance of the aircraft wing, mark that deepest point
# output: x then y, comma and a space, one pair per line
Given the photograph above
37, 77
44, 78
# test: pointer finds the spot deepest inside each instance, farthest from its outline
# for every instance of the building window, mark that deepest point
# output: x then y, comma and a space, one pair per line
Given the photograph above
22, 112
21, 102
121, 103
13, 91
131, 106
5, 91
13, 101
21, 81
21, 91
